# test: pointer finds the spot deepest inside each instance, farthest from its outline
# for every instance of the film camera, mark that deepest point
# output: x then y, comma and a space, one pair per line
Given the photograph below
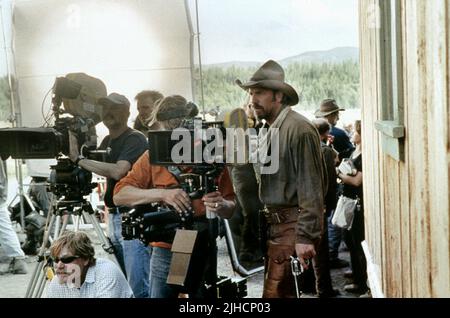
195, 154
75, 110
151, 223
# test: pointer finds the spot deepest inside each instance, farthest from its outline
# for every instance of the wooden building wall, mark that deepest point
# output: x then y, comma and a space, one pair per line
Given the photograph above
407, 200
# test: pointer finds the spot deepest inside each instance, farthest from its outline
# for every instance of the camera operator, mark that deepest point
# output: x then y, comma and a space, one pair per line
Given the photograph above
147, 183
126, 146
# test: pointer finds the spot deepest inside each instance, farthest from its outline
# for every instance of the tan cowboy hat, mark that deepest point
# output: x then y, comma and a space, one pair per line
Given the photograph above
327, 107
271, 75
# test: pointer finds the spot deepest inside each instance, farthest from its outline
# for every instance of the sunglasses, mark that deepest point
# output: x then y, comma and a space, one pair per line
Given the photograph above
65, 259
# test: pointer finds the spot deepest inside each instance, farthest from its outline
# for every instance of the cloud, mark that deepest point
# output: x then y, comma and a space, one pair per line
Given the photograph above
257, 29
322, 13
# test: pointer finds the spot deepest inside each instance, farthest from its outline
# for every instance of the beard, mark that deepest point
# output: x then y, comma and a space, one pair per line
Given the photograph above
111, 122
259, 112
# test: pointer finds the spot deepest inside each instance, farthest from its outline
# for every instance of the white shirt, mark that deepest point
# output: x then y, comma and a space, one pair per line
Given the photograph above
103, 280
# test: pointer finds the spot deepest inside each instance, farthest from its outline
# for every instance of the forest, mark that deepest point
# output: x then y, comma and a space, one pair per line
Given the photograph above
313, 81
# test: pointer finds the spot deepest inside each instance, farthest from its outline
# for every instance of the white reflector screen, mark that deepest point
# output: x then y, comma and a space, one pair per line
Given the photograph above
130, 45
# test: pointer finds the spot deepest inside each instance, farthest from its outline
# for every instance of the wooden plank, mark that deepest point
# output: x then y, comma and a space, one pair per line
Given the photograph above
405, 230
437, 122
447, 42
405, 221
393, 229
411, 93
418, 148
391, 175
381, 95
379, 180
369, 102
378, 171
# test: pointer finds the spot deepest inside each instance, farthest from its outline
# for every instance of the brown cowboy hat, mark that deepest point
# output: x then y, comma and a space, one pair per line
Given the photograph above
327, 107
271, 75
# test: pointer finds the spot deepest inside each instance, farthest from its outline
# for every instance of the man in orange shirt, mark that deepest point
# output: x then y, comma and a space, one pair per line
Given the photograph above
147, 183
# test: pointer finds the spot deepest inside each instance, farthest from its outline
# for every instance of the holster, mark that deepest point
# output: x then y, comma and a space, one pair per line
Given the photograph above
279, 281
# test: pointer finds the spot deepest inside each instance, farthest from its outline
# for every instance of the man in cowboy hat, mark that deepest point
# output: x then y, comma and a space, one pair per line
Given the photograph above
292, 195
341, 142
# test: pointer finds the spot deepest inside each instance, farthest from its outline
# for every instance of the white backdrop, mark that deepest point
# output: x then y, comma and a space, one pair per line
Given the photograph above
131, 45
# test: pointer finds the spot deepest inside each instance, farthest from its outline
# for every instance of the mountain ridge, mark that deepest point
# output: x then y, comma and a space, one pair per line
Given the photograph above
335, 55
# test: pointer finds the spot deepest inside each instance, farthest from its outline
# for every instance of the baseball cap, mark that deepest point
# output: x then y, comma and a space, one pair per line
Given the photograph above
114, 99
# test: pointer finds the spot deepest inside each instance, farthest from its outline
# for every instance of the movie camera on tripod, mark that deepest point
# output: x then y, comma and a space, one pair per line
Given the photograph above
78, 93
75, 112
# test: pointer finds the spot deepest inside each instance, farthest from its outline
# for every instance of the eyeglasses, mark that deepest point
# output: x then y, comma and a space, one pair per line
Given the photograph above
65, 259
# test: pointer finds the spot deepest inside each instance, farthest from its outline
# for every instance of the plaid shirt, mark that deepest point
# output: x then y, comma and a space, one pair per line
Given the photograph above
103, 280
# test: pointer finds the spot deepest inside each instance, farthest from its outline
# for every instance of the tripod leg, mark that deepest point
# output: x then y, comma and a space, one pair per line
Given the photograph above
30, 203
77, 223
106, 243
38, 273
34, 279
41, 287
65, 221
57, 227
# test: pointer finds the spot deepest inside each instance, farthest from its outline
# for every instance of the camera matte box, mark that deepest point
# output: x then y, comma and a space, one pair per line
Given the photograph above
182, 250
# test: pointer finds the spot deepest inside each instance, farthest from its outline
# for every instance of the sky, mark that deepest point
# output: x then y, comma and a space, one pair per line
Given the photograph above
256, 30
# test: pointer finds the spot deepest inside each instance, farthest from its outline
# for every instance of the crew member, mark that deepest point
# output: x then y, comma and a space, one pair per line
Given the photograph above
126, 146
147, 183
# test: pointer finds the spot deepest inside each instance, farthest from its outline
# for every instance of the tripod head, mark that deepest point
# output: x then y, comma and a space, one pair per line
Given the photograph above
70, 181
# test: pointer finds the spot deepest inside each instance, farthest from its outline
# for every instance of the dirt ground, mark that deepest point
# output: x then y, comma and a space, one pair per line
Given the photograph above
15, 286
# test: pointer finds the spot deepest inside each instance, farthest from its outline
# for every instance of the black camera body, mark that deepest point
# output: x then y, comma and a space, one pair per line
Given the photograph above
66, 178
46, 143
79, 117
151, 223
